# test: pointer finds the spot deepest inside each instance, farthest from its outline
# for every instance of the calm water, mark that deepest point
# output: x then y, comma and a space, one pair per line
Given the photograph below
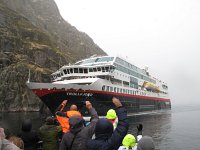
176, 129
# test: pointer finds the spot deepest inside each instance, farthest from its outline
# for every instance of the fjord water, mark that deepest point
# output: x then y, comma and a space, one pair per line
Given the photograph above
176, 129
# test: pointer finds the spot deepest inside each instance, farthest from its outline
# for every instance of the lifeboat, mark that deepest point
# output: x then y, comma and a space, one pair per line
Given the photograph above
151, 87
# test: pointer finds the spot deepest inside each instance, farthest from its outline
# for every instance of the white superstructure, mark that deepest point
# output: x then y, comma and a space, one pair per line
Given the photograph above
111, 74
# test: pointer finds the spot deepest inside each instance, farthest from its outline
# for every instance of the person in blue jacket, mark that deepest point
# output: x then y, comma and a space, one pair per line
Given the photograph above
105, 137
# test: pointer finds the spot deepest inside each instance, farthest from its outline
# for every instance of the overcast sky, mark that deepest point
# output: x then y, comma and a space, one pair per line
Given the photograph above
161, 34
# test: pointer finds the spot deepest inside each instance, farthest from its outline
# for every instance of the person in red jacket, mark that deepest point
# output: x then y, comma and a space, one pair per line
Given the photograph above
63, 117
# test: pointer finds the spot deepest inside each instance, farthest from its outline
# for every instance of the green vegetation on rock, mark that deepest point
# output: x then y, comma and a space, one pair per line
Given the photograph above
36, 39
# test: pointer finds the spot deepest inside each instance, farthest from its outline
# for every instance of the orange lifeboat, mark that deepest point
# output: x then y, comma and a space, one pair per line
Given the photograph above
151, 87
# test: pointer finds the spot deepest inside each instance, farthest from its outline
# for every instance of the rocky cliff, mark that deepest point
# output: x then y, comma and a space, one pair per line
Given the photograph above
33, 36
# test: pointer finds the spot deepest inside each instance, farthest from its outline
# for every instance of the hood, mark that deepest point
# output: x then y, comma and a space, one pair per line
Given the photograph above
146, 143
50, 120
129, 141
103, 129
111, 114
26, 125
76, 123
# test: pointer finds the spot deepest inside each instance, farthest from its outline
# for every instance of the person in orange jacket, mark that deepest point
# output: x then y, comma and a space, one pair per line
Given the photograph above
63, 117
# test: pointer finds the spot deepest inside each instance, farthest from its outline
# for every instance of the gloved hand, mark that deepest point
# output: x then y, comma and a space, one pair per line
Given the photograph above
139, 129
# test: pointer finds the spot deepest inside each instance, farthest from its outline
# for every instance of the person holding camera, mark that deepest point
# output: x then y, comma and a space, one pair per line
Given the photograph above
78, 134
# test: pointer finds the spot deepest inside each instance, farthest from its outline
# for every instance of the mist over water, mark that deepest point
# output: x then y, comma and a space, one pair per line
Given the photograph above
171, 130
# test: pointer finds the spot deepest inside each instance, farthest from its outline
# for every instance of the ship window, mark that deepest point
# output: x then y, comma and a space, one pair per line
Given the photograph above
108, 88
114, 89
103, 69
75, 70
111, 89
103, 88
81, 70
65, 71
68, 72
103, 59
71, 70
124, 91
88, 61
85, 71
99, 69
95, 69
107, 69
90, 69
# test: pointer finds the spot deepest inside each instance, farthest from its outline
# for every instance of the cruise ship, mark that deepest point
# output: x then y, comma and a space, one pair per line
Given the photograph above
98, 79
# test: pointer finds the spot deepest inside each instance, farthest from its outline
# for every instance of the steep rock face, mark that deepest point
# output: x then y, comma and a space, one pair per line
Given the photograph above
29, 44
45, 15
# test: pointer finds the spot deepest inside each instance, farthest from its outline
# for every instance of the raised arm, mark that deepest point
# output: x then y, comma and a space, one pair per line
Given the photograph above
94, 118
59, 110
122, 128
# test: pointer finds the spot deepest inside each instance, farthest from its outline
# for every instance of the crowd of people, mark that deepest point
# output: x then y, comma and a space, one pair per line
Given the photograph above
69, 131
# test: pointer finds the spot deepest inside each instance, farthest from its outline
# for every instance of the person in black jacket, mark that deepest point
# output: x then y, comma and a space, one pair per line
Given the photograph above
78, 135
105, 137
29, 136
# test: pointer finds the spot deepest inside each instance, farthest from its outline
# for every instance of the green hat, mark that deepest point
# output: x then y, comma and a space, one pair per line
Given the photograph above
129, 141
111, 114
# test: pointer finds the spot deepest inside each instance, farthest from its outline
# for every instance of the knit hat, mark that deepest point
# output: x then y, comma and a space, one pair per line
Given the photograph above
104, 128
129, 141
111, 114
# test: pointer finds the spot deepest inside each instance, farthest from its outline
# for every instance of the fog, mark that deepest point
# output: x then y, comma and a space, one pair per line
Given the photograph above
163, 35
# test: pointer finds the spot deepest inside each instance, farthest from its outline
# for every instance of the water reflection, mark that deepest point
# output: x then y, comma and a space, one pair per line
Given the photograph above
156, 125
13, 121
